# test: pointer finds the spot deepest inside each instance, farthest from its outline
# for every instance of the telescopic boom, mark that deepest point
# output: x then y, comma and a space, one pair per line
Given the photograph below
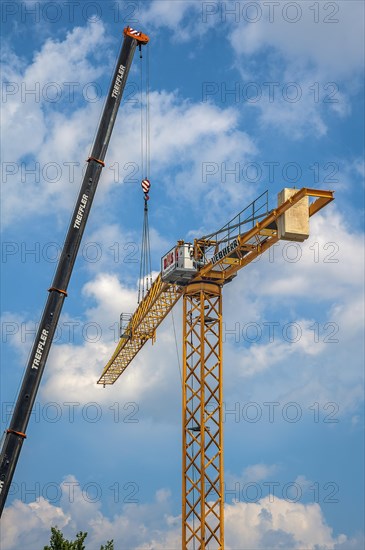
15, 435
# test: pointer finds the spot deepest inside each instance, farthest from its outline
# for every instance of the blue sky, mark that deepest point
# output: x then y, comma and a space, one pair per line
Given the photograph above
245, 96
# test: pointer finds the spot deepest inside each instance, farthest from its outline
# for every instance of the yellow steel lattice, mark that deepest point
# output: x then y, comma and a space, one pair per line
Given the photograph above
203, 499
257, 240
202, 491
150, 313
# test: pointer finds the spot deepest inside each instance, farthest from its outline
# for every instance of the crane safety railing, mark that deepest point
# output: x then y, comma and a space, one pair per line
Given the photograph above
226, 262
207, 246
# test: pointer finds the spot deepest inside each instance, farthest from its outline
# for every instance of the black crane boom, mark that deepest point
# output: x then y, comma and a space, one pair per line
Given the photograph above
15, 435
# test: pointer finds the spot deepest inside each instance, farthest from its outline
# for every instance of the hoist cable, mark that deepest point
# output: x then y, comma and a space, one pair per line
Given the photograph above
145, 271
148, 127
148, 254
177, 347
142, 116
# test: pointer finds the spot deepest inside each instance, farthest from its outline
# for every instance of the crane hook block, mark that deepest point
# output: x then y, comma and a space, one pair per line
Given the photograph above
146, 185
138, 35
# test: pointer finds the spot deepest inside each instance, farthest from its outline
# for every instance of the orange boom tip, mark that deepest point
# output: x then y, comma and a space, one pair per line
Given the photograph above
138, 35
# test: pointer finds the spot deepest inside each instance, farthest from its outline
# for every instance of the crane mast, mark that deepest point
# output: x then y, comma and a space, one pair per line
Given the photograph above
15, 434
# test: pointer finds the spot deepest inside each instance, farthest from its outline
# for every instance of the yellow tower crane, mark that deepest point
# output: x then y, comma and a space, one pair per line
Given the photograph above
197, 272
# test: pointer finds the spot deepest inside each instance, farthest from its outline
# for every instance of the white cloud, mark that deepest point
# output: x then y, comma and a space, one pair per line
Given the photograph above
96, 336
313, 67
39, 137
110, 296
295, 338
137, 524
312, 38
207, 137
53, 139
165, 14
290, 356
292, 98
250, 474
278, 524
257, 472
182, 18
37, 517
60, 61
316, 52
53, 66
268, 523
299, 103
332, 251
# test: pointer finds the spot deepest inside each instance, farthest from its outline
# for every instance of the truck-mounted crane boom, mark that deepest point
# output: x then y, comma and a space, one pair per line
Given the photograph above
15, 434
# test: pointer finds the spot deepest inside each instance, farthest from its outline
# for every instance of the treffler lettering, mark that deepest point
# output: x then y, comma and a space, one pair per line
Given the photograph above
40, 349
80, 212
118, 81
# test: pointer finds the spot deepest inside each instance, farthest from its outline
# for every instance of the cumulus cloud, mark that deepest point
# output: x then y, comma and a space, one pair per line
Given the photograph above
183, 19
250, 474
297, 32
278, 524
285, 354
208, 137
37, 518
313, 72
87, 342
332, 247
45, 166
30, 90
112, 249
134, 525
48, 132
268, 523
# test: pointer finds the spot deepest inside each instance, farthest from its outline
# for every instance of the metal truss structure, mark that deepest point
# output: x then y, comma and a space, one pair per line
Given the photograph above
220, 257
202, 510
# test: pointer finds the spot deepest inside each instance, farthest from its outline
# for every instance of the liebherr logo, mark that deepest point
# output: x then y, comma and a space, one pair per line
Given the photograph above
118, 81
224, 252
40, 348
80, 212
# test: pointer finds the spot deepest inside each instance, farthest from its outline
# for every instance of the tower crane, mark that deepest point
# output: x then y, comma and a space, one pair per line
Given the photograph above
15, 435
197, 272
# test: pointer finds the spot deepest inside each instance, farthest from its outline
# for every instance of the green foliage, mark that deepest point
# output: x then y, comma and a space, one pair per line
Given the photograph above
58, 542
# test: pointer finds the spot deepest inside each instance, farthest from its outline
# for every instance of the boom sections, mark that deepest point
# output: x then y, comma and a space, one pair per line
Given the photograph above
15, 435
